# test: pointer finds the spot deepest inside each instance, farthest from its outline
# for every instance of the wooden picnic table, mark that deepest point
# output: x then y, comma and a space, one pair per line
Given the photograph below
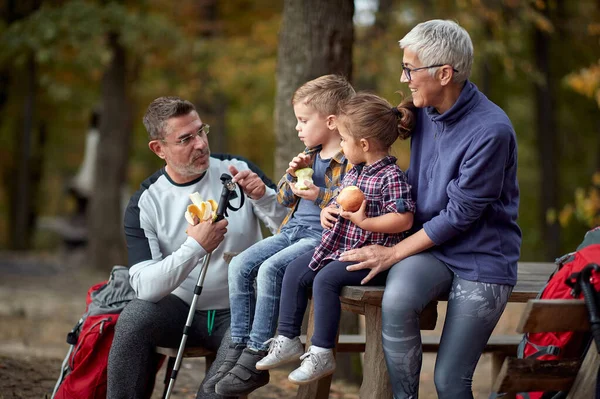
531, 278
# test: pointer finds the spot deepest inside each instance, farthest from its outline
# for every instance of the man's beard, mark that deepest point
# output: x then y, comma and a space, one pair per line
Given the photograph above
191, 169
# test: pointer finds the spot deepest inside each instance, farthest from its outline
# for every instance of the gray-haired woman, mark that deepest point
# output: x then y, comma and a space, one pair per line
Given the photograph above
466, 241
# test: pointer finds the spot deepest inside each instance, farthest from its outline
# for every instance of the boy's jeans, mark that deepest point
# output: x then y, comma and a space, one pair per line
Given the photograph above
254, 315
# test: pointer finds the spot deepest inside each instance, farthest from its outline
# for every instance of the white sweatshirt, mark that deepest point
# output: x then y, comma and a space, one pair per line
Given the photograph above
163, 259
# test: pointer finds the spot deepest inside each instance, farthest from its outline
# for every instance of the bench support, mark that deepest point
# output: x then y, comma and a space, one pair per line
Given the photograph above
374, 364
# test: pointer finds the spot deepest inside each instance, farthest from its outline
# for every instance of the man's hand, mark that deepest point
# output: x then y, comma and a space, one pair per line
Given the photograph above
300, 161
208, 234
358, 216
252, 185
375, 257
329, 216
311, 193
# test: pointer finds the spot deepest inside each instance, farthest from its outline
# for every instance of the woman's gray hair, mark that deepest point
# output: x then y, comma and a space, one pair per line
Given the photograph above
441, 42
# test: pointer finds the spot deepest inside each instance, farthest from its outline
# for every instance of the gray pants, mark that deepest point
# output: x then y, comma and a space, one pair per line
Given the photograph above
144, 325
473, 311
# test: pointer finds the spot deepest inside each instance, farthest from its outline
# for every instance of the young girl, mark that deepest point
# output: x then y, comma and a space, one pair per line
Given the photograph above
368, 126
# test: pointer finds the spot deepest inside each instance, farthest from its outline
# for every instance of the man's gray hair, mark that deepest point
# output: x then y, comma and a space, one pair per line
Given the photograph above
441, 42
161, 110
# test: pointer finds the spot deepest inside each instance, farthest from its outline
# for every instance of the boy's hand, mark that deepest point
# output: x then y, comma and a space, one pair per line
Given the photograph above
329, 216
356, 217
300, 161
311, 193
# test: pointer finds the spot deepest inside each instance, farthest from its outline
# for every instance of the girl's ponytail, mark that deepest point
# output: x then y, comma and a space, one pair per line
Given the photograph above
405, 113
367, 115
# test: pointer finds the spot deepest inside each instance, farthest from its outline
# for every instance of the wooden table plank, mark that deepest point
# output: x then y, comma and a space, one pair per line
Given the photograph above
531, 278
527, 375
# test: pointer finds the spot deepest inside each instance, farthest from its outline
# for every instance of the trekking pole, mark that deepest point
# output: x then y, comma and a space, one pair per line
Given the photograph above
227, 193
591, 300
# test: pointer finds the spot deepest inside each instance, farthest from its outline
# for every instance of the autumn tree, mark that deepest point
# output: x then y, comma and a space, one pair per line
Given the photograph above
315, 39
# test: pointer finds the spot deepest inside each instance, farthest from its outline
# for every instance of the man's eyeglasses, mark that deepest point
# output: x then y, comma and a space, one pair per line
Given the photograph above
408, 71
185, 140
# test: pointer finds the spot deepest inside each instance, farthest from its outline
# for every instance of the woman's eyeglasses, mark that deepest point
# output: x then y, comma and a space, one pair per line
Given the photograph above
408, 71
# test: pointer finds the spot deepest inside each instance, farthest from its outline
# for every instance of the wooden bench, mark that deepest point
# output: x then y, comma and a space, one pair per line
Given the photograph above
171, 354
527, 375
499, 346
346, 344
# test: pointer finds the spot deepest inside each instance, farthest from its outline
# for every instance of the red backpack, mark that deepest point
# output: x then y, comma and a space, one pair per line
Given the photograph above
558, 345
83, 372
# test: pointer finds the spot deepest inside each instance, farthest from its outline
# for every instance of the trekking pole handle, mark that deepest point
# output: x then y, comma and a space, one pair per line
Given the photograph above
227, 193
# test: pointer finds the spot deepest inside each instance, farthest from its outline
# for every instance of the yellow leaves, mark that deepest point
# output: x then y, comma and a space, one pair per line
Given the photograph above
586, 206
586, 81
539, 20
565, 215
594, 29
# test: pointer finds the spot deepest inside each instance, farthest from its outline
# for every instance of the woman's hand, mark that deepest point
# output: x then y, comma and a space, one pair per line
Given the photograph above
358, 216
375, 257
329, 216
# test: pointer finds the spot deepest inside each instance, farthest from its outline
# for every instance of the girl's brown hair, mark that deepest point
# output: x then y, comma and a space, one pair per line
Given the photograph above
367, 116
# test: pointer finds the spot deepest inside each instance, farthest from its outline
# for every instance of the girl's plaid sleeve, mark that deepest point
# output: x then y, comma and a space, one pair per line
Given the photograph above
396, 193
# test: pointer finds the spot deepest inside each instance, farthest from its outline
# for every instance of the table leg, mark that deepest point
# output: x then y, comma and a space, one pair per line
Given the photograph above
376, 381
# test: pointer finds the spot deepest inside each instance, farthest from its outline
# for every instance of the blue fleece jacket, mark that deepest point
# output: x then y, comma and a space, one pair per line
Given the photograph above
463, 172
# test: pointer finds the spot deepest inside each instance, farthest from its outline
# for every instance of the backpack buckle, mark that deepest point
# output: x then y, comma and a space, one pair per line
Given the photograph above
553, 350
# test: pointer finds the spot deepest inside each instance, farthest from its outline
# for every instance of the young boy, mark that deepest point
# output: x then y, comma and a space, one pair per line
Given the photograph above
254, 315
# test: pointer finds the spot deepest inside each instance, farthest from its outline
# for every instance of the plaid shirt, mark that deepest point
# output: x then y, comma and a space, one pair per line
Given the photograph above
338, 166
386, 190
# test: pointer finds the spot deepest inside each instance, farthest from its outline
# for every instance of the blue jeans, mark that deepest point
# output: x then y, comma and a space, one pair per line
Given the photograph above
254, 314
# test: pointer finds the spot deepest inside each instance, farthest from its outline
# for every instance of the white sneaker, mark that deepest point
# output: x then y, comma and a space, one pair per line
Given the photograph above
281, 351
314, 367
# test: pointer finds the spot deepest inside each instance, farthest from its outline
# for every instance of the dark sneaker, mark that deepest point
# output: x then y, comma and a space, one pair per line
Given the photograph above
233, 354
244, 378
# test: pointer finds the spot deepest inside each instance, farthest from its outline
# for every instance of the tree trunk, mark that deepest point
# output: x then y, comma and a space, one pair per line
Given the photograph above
105, 212
546, 133
315, 39
22, 227
22, 213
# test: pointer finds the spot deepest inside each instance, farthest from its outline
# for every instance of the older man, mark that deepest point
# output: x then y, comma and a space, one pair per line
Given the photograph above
165, 251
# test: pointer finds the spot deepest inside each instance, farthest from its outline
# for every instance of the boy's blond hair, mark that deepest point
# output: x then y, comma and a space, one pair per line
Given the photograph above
325, 94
